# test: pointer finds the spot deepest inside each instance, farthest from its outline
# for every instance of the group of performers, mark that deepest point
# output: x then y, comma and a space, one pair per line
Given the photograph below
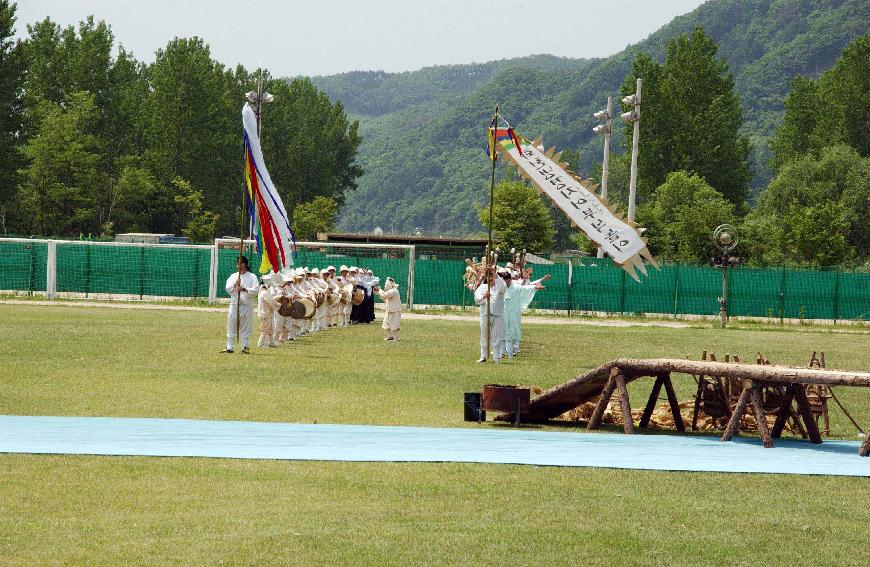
509, 290
295, 302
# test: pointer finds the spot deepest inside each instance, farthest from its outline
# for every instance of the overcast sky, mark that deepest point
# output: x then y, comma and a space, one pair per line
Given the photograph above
321, 37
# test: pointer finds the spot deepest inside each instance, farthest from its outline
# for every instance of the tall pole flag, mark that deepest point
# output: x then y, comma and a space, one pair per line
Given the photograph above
266, 211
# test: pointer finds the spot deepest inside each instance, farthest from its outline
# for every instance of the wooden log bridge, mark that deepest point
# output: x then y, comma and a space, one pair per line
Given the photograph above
613, 376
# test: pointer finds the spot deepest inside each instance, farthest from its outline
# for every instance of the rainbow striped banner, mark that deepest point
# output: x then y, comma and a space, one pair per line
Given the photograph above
269, 221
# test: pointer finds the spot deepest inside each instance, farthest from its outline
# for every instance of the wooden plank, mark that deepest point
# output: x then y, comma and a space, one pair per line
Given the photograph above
675, 405
651, 403
803, 404
625, 405
734, 423
760, 417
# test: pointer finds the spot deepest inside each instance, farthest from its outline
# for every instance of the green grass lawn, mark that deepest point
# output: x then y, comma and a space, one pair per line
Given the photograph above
67, 360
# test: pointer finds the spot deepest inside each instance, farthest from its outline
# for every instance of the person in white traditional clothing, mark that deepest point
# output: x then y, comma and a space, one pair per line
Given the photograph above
347, 306
242, 288
393, 309
300, 290
517, 297
495, 293
267, 307
288, 290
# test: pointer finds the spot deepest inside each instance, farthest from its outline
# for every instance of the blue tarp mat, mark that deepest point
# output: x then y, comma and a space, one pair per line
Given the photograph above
254, 440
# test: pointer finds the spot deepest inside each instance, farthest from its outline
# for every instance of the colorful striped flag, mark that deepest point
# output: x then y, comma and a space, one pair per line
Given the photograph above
269, 221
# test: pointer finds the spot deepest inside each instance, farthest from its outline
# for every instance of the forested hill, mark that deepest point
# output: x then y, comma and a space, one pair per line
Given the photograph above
423, 142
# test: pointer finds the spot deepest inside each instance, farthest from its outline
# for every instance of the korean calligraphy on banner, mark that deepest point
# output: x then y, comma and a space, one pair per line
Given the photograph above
618, 238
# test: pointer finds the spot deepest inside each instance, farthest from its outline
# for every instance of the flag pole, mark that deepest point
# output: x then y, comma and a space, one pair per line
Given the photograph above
493, 126
243, 215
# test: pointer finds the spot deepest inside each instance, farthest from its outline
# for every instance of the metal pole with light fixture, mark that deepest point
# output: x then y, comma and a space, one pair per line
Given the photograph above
604, 129
633, 116
725, 238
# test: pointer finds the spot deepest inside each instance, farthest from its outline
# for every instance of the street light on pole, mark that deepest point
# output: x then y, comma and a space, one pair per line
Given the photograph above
725, 239
605, 116
633, 116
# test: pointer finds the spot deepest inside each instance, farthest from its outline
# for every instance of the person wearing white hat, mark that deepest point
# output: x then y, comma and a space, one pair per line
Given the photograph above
242, 287
495, 293
267, 308
288, 290
368, 281
393, 309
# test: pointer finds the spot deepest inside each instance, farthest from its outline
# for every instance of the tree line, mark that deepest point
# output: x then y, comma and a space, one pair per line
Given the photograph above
98, 143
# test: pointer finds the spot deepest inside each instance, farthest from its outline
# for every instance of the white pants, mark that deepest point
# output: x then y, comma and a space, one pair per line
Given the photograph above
245, 323
496, 328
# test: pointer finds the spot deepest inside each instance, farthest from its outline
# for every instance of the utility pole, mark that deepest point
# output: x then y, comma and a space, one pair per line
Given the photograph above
633, 116
605, 130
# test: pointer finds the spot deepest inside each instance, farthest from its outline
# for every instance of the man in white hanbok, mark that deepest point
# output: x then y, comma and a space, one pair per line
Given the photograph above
242, 288
495, 293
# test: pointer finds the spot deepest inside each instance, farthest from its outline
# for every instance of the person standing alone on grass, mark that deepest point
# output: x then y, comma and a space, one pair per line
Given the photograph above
393, 311
242, 288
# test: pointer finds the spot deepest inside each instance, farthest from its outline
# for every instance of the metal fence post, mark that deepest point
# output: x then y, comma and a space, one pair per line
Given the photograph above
87, 269
676, 288
411, 277
51, 270
212, 274
837, 297
782, 297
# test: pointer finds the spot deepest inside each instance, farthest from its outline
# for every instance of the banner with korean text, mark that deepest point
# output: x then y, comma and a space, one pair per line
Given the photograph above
618, 237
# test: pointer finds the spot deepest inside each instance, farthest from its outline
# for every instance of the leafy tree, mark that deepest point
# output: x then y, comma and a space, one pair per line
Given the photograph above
199, 225
193, 130
795, 136
815, 235
309, 144
681, 218
519, 218
844, 94
317, 215
832, 189
11, 76
139, 203
833, 110
690, 118
62, 182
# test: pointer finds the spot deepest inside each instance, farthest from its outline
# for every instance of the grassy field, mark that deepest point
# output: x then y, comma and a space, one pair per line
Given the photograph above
66, 360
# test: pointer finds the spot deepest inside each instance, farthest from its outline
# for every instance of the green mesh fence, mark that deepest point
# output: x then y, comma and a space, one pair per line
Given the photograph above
23, 266
133, 270
169, 271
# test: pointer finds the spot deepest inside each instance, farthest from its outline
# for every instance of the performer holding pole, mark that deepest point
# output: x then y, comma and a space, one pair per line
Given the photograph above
490, 269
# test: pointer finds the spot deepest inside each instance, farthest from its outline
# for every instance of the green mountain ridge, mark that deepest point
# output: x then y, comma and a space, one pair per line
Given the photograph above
423, 131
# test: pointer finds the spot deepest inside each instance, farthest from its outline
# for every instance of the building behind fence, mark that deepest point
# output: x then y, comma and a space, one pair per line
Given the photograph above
145, 271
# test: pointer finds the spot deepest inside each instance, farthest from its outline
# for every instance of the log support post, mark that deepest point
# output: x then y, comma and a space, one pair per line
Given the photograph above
784, 412
651, 402
606, 393
806, 412
622, 392
734, 422
760, 417
663, 380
